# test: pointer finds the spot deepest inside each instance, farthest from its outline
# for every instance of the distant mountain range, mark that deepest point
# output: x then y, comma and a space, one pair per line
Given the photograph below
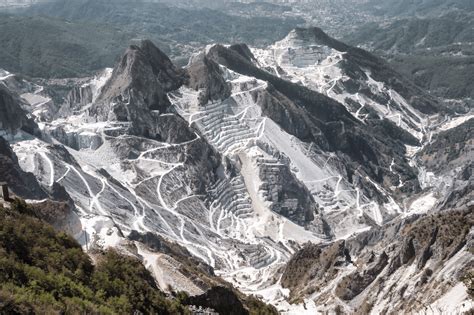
437, 53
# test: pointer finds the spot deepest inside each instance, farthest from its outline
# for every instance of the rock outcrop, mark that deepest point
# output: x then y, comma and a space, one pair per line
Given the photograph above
221, 299
22, 184
136, 92
13, 118
314, 266
206, 76
365, 270
359, 60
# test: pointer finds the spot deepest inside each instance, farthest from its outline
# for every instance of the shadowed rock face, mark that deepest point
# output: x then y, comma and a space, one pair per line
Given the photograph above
136, 92
450, 149
323, 107
286, 114
78, 97
353, 284
450, 155
165, 71
244, 51
205, 75
420, 245
59, 215
288, 196
13, 117
313, 266
20, 183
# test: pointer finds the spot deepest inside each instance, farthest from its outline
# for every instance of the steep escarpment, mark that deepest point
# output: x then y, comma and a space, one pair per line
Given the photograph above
371, 270
314, 266
136, 92
450, 149
13, 117
326, 123
447, 164
21, 183
225, 300
205, 75
323, 107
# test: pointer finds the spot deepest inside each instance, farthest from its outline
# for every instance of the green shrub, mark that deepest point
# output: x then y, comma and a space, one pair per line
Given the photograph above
46, 272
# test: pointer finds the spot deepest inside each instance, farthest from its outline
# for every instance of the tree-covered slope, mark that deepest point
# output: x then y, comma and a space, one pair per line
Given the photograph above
45, 272
46, 47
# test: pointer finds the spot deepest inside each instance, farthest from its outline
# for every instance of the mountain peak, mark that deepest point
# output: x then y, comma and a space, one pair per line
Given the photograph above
168, 75
146, 56
136, 93
143, 70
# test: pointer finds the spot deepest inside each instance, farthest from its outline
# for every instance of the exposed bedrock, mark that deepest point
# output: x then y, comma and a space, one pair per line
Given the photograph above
221, 299
359, 268
244, 51
314, 266
287, 195
450, 149
313, 117
60, 215
449, 157
205, 75
358, 59
353, 284
76, 139
287, 114
13, 118
74, 101
136, 91
202, 161
22, 184
159, 244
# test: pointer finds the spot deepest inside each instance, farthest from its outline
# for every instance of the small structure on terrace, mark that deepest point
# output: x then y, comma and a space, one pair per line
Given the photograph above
4, 191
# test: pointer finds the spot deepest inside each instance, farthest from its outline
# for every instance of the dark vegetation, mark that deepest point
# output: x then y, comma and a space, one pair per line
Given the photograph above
178, 24
46, 47
410, 35
447, 76
416, 8
434, 51
45, 272
75, 38
450, 148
